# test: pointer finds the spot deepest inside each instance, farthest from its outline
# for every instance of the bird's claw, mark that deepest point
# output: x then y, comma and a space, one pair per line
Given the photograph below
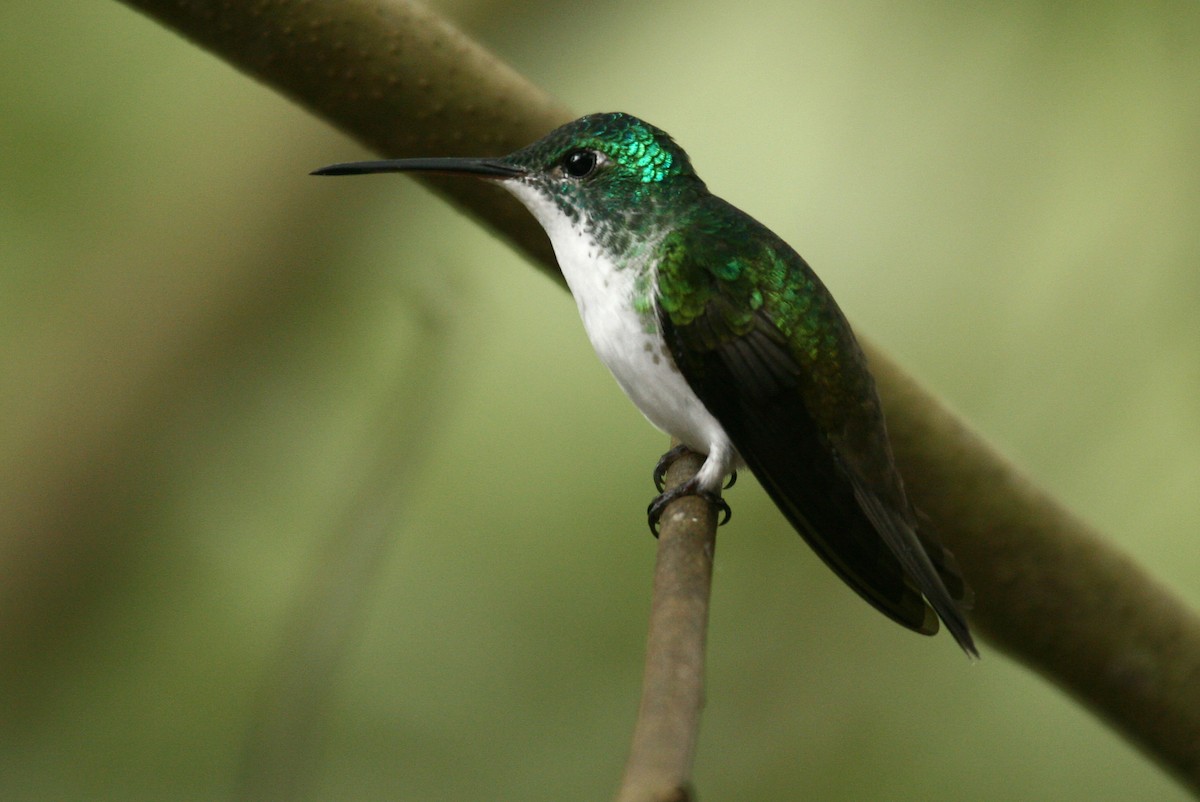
665, 462
667, 459
660, 503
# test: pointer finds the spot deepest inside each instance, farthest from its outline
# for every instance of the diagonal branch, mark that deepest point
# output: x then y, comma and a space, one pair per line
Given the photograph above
1050, 591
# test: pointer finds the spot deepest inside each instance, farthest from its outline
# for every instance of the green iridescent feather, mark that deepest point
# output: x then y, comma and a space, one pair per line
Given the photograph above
730, 273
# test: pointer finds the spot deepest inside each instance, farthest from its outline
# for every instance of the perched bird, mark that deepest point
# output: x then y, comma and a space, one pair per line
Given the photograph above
724, 337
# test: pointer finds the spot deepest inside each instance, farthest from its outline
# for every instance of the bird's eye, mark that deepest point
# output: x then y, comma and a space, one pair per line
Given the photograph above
580, 163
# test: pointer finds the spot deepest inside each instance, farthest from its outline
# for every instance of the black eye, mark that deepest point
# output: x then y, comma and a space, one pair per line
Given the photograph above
580, 163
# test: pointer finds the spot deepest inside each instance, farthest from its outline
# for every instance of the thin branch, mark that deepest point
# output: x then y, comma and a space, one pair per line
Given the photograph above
660, 761
1049, 590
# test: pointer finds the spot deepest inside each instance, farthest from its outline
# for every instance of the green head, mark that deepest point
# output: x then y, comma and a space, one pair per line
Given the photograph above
611, 153
613, 169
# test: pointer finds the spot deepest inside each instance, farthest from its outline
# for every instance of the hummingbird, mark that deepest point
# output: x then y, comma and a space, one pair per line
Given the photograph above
725, 339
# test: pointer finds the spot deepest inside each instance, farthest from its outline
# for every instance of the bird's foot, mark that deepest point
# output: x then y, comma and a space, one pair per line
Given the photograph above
667, 459
689, 488
665, 462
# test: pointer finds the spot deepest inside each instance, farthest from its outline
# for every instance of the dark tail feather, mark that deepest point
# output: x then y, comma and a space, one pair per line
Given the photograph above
945, 563
926, 561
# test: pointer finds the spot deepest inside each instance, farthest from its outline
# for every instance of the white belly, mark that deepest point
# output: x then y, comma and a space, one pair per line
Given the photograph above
632, 347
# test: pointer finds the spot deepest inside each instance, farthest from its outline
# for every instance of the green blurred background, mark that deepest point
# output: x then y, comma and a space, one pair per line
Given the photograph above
313, 488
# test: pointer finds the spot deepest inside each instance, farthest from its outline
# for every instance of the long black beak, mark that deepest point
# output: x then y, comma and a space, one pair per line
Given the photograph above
484, 168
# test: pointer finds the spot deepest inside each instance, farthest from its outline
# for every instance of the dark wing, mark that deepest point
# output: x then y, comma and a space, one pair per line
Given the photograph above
763, 345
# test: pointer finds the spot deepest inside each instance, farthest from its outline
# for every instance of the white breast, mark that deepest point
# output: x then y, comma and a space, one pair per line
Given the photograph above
631, 345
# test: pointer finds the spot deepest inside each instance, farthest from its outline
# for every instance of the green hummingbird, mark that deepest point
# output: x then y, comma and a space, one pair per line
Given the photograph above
725, 339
